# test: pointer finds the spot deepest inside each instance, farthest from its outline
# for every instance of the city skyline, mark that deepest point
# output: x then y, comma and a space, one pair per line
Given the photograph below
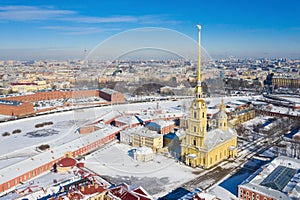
62, 30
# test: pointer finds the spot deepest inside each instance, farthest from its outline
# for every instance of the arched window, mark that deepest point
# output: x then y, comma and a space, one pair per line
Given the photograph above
195, 114
195, 142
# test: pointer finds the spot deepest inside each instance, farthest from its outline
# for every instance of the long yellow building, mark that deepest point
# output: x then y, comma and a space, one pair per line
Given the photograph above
292, 82
202, 148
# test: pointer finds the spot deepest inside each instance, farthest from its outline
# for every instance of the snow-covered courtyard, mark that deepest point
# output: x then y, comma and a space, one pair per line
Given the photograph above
158, 176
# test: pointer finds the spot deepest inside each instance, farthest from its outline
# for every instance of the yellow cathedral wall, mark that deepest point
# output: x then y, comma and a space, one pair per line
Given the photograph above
214, 156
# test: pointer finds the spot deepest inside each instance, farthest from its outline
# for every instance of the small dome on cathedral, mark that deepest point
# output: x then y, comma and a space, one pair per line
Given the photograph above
221, 115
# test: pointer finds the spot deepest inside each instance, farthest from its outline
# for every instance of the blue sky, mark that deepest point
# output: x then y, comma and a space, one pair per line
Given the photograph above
61, 29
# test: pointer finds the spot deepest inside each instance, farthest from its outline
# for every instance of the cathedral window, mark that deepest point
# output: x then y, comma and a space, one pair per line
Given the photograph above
195, 129
202, 114
195, 114
195, 142
224, 123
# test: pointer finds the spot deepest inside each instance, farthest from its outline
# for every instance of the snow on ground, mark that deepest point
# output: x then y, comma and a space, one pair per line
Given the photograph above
66, 123
63, 129
22, 145
270, 153
256, 120
114, 161
31, 137
222, 193
4, 117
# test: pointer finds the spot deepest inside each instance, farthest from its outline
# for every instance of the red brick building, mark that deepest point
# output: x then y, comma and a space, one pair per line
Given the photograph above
23, 104
124, 192
161, 126
56, 94
15, 108
111, 95
88, 129
276, 180
43, 162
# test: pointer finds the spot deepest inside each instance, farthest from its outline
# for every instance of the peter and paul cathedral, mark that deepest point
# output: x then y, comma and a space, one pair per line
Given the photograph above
202, 148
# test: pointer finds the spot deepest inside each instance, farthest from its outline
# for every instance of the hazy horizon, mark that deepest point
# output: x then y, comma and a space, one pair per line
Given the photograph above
61, 30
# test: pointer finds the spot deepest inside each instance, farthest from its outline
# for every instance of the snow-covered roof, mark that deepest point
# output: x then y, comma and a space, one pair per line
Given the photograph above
282, 110
217, 136
108, 91
143, 150
172, 113
212, 111
143, 117
292, 187
197, 194
109, 115
128, 120
221, 114
159, 123
22, 167
10, 103
142, 131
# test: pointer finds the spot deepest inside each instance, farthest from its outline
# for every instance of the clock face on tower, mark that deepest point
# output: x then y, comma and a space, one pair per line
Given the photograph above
194, 105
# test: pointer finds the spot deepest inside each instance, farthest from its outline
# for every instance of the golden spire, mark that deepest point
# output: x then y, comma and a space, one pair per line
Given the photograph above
199, 54
198, 90
222, 106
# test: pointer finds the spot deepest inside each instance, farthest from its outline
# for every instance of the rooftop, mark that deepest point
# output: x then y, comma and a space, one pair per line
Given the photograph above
18, 169
142, 131
10, 103
108, 91
218, 136
279, 179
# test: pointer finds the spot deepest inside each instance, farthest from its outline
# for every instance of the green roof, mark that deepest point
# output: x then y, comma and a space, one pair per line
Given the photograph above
279, 178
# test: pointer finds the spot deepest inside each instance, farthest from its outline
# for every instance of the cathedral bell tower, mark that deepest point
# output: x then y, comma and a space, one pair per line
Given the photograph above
197, 122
